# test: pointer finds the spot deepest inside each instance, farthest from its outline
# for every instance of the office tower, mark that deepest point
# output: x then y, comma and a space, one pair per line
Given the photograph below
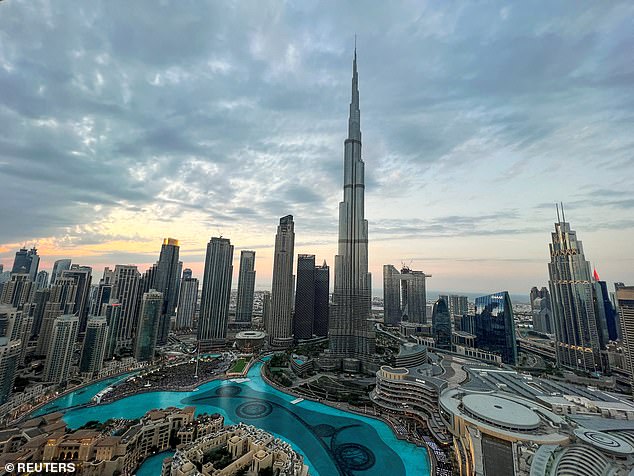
1, 268
38, 304
187, 273
444, 297
246, 287
126, 287
26, 261
9, 358
576, 334
322, 300
61, 301
392, 312
441, 325
165, 281
542, 310
83, 278
494, 326
414, 295
214, 303
607, 315
188, 297
148, 327
59, 266
104, 293
304, 319
281, 321
266, 309
113, 313
17, 291
41, 280
59, 357
625, 302
351, 334
458, 305
311, 299
94, 347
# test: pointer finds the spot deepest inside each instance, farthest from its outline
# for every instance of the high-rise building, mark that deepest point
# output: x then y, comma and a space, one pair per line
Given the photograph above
494, 326
246, 287
441, 325
41, 280
187, 273
125, 291
61, 301
458, 305
38, 303
311, 299
83, 278
26, 261
166, 281
59, 266
266, 309
392, 312
322, 300
94, 348
187, 299
103, 295
113, 312
148, 327
9, 359
351, 333
404, 295
414, 295
577, 341
542, 310
625, 301
281, 321
214, 303
59, 357
17, 291
609, 326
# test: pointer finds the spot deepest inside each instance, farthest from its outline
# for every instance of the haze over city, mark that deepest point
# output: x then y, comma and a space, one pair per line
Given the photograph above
125, 126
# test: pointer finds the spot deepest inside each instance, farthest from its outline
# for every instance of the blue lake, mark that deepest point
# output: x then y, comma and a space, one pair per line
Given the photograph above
332, 441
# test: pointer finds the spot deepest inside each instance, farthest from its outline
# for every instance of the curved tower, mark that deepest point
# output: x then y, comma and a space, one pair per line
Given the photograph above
351, 334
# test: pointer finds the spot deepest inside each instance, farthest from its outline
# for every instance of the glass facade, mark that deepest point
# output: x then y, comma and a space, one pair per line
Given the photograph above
494, 326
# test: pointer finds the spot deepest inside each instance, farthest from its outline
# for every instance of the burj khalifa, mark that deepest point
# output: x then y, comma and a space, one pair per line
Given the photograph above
350, 331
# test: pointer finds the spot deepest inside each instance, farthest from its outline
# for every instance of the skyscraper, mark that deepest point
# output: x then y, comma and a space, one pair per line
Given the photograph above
17, 291
607, 315
441, 324
113, 312
26, 261
187, 273
391, 295
41, 280
542, 310
246, 287
214, 304
60, 351
351, 334
281, 321
9, 357
458, 305
61, 301
83, 278
148, 327
59, 266
187, 299
576, 334
322, 300
126, 287
311, 299
166, 281
495, 326
625, 301
414, 295
94, 348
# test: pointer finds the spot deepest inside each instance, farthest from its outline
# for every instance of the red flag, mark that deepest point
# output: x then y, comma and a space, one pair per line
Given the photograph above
596, 275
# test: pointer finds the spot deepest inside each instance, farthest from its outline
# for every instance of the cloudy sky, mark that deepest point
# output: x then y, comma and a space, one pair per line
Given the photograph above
126, 122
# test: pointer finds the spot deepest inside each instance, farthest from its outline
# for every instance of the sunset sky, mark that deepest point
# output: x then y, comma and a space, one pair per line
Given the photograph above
127, 122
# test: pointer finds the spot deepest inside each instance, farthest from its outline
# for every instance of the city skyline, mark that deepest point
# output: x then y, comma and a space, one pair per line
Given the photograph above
440, 126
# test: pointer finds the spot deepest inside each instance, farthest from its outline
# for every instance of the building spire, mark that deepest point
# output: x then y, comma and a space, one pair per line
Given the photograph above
354, 121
